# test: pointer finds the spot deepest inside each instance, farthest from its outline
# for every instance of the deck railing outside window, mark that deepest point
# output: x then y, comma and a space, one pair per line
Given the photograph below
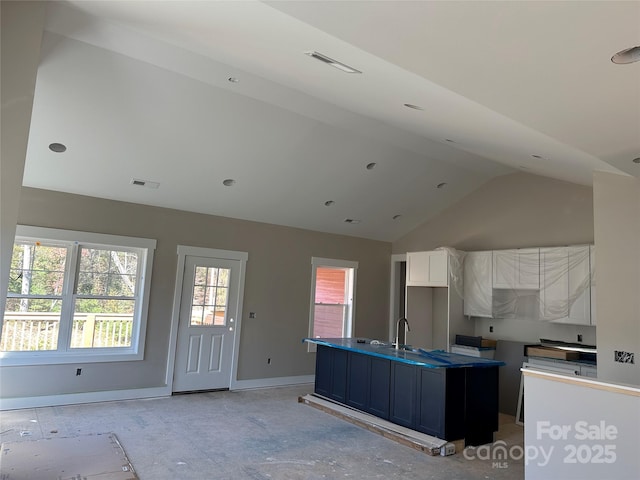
31, 331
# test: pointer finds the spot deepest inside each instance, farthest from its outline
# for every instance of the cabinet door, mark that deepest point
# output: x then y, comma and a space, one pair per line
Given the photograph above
324, 366
431, 402
403, 394
331, 373
528, 268
579, 276
554, 283
379, 387
358, 381
368, 380
565, 293
427, 269
478, 287
516, 269
339, 376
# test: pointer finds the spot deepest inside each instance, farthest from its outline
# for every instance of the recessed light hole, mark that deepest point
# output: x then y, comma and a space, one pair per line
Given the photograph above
414, 107
441, 185
396, 217
628, 55
371, 166
328, 203
229, 182
57, 147
636, 160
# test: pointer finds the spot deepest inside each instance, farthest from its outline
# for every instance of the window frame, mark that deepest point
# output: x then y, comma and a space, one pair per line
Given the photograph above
73, 240
349, 325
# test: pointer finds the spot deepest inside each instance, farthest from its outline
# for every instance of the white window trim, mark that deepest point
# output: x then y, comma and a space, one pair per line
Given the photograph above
332, 263
136, 351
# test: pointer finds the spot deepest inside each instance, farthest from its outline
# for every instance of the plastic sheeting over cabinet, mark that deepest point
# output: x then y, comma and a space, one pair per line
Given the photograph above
557, 279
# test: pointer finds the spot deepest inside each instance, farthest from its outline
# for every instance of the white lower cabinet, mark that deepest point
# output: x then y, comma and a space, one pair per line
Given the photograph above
564, 367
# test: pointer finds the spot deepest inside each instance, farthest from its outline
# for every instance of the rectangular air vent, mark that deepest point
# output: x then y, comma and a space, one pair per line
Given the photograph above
144, 183
334, 63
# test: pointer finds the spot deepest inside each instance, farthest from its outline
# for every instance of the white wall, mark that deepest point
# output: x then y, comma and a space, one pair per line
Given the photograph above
556, 414
617, 235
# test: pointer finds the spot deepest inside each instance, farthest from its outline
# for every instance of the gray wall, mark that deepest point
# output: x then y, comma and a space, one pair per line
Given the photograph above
22, 24
617, 232
514, 211
277, 288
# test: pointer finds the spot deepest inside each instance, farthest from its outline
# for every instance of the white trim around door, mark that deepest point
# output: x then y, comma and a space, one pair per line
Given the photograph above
394, 293
183, 252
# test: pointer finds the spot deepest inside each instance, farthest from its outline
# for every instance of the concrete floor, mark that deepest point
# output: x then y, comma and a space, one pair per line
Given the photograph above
256, 434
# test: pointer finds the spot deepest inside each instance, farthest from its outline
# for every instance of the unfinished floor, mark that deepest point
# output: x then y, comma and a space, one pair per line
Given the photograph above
257, 434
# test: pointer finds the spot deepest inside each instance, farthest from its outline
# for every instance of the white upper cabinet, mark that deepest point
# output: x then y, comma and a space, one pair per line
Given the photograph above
517, 269
428, 269
565, 293
554, 277
478, 290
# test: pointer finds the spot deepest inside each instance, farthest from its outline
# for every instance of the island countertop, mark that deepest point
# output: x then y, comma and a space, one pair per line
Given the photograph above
413, 356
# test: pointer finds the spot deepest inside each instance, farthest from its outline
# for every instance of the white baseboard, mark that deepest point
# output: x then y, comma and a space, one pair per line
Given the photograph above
272, 382
86, 397
137, 393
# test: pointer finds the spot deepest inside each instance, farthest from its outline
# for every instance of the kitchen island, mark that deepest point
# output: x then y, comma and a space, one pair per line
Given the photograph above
446, 395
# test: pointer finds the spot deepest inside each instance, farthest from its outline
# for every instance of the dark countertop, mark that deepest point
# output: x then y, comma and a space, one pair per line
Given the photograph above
413, 356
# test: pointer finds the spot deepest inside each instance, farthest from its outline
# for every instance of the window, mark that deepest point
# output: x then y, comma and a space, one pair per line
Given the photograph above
210, 295
332, 298
75, 296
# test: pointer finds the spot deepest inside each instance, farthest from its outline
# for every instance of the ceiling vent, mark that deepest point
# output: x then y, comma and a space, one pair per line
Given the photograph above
144, 183
334, 63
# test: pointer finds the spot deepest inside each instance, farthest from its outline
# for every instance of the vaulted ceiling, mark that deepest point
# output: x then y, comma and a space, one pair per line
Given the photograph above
185, 95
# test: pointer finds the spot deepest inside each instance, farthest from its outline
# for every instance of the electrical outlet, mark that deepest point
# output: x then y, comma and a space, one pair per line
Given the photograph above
579, 337
252, 314
78, 372
623, 357
491, 328
268, 361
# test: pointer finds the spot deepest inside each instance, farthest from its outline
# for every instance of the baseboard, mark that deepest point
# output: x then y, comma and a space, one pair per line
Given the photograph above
137, 393
85, 397
272, 382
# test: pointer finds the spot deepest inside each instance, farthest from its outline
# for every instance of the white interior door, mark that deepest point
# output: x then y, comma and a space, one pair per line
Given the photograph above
207, 324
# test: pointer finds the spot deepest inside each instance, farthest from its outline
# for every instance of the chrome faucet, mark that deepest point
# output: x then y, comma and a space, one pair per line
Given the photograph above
406, 322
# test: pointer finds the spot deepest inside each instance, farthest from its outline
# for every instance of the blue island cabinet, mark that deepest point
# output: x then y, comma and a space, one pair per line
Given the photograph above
368, 384
331, 373
429, 400
455, 401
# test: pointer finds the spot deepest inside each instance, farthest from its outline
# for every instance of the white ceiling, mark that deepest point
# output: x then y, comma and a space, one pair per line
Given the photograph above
140, 90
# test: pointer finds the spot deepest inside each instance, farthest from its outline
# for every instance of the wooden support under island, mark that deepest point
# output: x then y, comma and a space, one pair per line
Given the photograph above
445, 395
